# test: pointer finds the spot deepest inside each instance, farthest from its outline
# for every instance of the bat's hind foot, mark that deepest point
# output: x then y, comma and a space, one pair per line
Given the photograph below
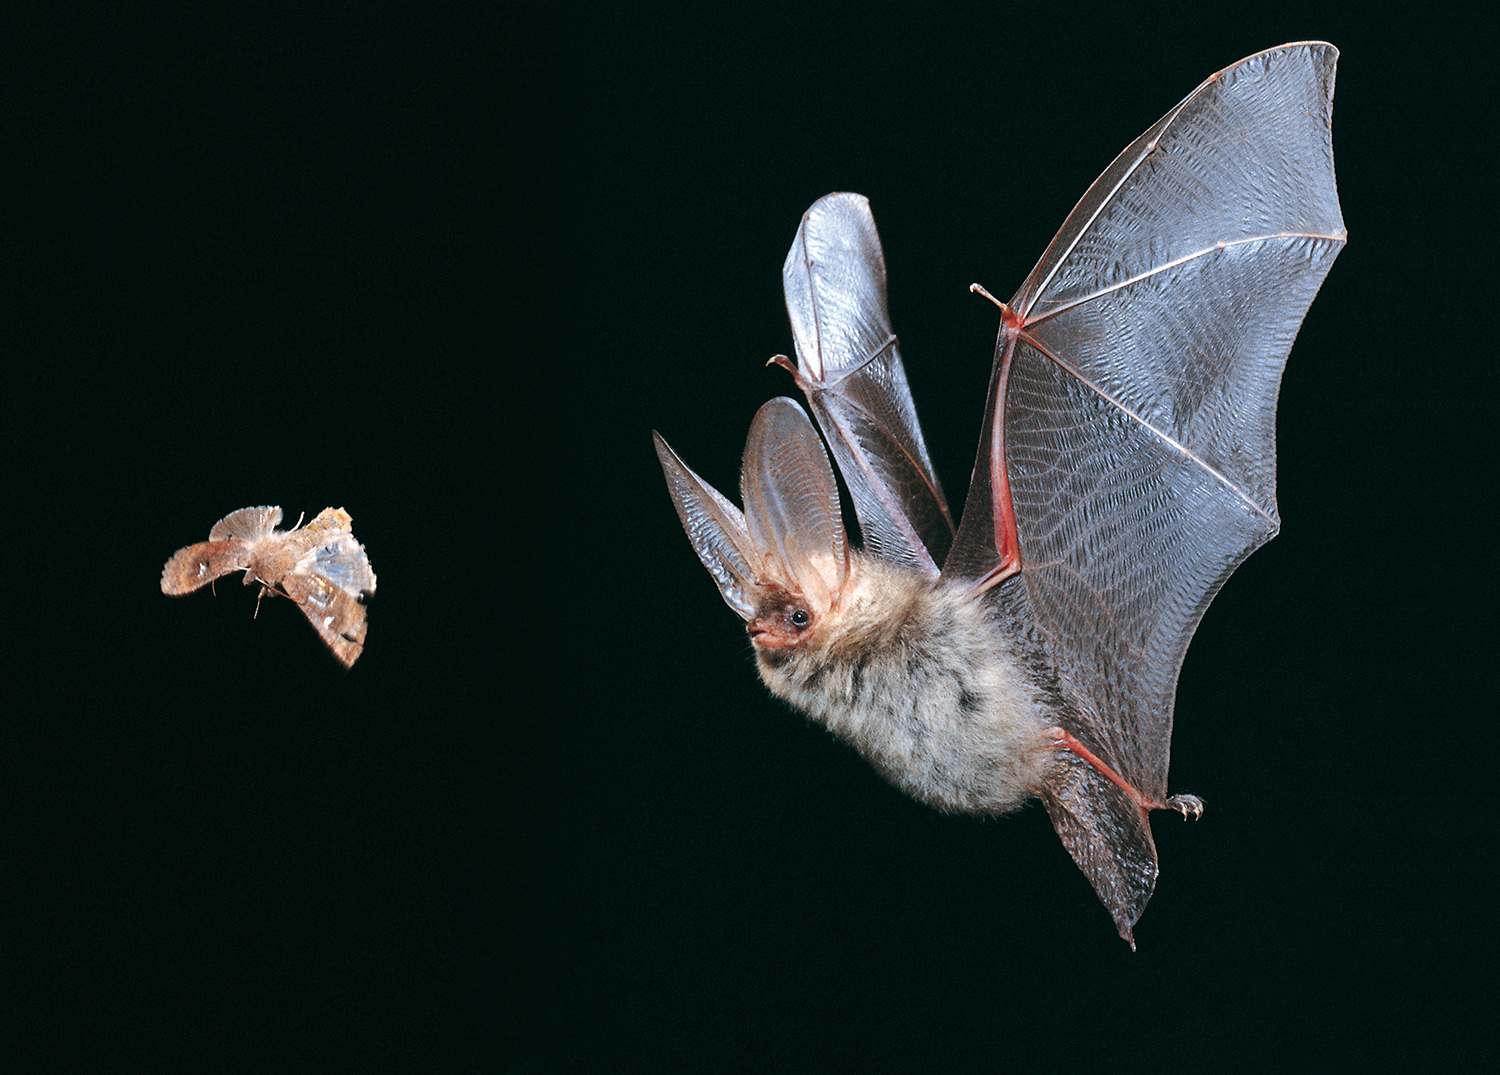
1187, 805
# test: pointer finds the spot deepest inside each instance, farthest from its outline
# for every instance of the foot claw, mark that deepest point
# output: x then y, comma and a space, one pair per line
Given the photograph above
1187, 805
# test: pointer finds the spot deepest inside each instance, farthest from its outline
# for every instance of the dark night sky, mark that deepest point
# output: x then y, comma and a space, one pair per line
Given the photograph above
448, 272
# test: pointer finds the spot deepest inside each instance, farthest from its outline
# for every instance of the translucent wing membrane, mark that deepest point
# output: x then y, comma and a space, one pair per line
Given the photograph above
1246, 156
1131, 521
1144, 355
850, 368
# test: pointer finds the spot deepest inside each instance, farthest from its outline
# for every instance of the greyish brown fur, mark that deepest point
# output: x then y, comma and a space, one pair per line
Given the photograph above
914, 673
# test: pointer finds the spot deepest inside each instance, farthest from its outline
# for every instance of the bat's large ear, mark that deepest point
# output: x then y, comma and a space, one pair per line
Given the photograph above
791, 534
792, 504
716, 529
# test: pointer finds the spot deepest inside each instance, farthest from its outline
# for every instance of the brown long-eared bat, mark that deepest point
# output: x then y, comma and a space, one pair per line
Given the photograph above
1126, 467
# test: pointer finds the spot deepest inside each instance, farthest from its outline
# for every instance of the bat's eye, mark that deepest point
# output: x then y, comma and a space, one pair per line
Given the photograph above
800, 618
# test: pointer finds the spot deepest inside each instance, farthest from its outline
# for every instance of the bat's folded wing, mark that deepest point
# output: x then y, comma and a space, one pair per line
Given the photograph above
849, 366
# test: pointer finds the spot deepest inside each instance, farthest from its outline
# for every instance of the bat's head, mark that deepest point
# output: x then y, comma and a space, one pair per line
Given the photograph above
782, 562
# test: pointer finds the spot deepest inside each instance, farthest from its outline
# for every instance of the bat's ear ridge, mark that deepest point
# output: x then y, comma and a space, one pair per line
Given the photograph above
716, 529
792, 505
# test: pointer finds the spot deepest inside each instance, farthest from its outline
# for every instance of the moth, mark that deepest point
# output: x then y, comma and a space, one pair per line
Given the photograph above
1126, 466
320, 566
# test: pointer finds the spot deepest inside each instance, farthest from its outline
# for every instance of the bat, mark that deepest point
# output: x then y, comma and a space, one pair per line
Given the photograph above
1126, 467
320, 566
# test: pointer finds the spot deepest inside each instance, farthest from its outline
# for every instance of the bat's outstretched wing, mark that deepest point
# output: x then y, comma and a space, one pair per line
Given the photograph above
849, 367
1128, 460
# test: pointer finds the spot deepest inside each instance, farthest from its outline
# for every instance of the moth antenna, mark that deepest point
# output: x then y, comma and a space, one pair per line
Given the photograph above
300, 516
263, 588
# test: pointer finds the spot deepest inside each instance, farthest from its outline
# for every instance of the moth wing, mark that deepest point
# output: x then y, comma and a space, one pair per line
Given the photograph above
335, 553
247, 524
849, 366
1137, 373
197, 565
331, 572
336, 615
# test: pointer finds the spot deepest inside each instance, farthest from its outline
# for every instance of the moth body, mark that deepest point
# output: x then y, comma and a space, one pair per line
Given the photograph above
914, 673
319, 566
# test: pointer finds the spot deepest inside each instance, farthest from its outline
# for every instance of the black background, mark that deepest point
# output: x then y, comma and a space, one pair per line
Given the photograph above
447, 270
